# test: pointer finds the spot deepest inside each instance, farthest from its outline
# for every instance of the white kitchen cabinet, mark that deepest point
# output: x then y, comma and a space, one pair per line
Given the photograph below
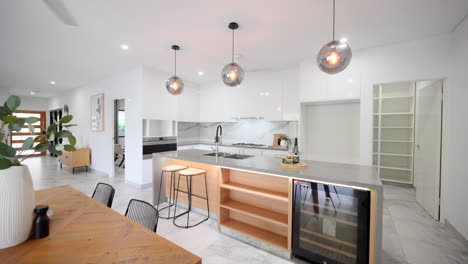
271, 95
188, 104
315, 86
215, 106
158, 104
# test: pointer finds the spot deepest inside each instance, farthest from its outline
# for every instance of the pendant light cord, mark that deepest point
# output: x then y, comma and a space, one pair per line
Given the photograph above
175, 62
333, 20
233, 46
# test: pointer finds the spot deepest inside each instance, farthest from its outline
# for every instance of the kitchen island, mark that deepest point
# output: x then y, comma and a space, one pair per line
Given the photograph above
261, 203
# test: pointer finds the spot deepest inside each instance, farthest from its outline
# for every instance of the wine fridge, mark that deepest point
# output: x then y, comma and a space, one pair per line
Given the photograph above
330, 223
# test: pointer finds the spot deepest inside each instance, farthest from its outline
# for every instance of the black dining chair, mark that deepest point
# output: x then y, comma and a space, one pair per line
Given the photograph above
104, 193
143, 213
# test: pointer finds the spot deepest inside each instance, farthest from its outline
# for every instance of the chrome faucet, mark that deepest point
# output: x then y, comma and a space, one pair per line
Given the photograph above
219, 134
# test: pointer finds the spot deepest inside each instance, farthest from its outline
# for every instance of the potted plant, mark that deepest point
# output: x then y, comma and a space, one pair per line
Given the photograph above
17, 199
285, 140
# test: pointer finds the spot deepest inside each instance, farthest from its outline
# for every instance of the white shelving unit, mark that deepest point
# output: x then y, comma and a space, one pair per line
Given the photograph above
393, 131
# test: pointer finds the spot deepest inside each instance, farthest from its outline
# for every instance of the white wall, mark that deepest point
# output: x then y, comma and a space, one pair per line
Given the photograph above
455, 166
127, 85
4, 94
331, 132
415, 60
34, 103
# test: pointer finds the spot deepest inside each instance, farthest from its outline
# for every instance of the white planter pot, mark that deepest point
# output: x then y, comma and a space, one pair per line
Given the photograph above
284, 143
17, 203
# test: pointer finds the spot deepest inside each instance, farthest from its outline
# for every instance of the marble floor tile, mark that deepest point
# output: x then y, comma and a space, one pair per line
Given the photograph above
410, 235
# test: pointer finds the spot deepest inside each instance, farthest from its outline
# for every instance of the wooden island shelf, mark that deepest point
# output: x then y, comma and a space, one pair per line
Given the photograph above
255, 191
257, 206
254, 211
258, 233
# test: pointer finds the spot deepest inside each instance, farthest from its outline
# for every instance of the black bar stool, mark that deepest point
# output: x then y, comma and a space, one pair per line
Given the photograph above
172, 169
188, 174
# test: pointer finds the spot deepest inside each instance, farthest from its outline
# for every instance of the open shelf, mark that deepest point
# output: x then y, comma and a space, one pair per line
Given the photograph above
396, 175
389, 114
396, 127
395, 168
258, 206
395, 154
395, 97
256, 191
264, 214
393, 128
257, 233
395, 141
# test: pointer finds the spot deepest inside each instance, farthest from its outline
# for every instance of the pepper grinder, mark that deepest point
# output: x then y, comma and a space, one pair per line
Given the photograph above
41, 223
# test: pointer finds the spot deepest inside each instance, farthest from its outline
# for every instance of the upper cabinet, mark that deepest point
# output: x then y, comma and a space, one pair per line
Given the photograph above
159, 104
270, 95
317, 86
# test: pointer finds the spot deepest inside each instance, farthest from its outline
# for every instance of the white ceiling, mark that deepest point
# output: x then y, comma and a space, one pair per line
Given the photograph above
36, 48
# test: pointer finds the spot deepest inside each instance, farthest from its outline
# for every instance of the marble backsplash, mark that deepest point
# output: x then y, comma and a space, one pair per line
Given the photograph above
241, 131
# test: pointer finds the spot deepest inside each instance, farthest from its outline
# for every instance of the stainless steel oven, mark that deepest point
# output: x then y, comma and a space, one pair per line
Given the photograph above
158, 144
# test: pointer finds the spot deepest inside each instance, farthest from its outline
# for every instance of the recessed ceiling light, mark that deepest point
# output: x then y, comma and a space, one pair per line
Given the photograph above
343, 40
350, 80
33, 92
52, 82
124, 46
200, 73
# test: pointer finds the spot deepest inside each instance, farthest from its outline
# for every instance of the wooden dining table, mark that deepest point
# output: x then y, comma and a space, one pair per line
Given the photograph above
83, 230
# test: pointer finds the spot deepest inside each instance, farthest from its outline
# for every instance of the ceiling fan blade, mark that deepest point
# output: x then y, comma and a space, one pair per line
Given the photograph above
58, 8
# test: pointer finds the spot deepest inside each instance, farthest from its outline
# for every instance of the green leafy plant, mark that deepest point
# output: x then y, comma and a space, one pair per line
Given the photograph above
9, 156
286, 138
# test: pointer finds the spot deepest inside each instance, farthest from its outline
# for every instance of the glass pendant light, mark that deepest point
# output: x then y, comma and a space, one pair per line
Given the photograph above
174, 84
232, 74
335, 56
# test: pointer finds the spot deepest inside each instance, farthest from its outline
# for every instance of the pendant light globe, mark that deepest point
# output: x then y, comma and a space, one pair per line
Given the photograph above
334, 56
232, 74
174, 84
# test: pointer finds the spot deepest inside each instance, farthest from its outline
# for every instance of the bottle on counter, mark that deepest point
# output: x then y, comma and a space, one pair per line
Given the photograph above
41, 223
295, 152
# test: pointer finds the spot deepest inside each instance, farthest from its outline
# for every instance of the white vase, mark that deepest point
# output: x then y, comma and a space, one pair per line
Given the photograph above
17, 203
284, 143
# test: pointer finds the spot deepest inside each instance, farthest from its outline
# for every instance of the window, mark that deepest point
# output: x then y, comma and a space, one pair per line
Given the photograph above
121, 123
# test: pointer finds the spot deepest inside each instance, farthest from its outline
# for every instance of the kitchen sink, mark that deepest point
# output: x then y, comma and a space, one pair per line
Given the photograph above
220, 154
238, 156
229, 156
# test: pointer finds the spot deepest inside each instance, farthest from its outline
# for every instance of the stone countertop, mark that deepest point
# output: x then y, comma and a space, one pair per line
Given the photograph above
229, 145
333, 173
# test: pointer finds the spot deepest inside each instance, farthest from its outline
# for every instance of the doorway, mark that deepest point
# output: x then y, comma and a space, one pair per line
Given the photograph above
18, 138
407, 138
119, 136
54, 117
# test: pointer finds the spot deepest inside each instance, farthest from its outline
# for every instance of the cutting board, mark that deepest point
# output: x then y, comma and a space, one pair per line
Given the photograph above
275, 139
